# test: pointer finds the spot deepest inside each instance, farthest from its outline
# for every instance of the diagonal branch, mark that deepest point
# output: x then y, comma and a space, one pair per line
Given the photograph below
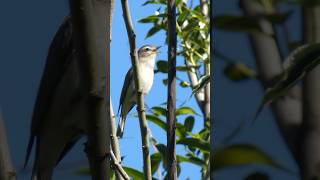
140, 98
91, 20
118, 166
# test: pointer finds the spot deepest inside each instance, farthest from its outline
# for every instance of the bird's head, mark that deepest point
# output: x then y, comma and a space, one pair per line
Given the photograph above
148, 52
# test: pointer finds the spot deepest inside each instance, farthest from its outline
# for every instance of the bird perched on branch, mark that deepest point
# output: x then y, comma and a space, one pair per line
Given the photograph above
128, 99
59, 111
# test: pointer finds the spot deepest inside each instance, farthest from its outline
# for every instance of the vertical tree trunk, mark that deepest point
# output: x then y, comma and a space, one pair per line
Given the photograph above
288, 109
171, 101
91, 20
6, 169
310, 146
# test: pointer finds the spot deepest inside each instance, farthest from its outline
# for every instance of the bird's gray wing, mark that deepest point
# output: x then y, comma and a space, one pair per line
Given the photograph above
128, 79
59, 53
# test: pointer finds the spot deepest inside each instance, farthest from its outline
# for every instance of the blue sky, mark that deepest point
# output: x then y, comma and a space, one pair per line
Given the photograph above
26, 31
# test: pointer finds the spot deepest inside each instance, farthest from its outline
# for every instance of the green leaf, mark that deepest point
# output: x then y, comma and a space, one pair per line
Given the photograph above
149, 19
238, 71
157, 110
192, 160
236, 23
184, 84
189, 123
203, 81
135, 174
162, 66
196, 143
184, 110
154, 2
186, 68
239, 155
156, 120
298, 63
155, 162
153, 30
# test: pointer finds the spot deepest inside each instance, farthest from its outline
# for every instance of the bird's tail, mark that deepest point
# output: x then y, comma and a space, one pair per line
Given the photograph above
121, 126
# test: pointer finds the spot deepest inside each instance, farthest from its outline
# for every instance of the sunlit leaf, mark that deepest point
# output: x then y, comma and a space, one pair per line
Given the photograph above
149, 19
184, 110
135, 174
159, 110
195, 142
184, 84
193, 160
156, 120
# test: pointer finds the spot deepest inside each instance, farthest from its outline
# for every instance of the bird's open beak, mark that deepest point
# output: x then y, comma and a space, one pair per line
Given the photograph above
156, 50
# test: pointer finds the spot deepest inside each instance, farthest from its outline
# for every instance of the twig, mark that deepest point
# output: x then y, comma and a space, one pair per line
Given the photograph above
118, 166
114, 139
6, 169
91, 20
171, 101
140, 98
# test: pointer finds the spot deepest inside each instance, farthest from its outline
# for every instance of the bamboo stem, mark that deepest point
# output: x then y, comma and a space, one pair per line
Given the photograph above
140, 97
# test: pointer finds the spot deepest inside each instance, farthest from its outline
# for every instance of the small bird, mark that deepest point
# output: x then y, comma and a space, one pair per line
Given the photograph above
146, 58
58, 116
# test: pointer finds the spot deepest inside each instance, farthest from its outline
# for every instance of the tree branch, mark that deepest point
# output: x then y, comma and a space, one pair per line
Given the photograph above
91, 20
118, 166
140, 98
114, 139
310, 135
171, 101
6, 169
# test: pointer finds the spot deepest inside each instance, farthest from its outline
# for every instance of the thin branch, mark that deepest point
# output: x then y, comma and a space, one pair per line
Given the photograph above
91, 20
171, 101
140, 98
118, 166
114, 139
193, 78
6, 169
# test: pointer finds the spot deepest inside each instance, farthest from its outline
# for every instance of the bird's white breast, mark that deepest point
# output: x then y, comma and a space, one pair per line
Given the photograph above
147, 74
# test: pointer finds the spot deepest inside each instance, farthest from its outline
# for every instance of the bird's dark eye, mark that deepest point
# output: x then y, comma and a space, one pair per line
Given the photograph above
147, 49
